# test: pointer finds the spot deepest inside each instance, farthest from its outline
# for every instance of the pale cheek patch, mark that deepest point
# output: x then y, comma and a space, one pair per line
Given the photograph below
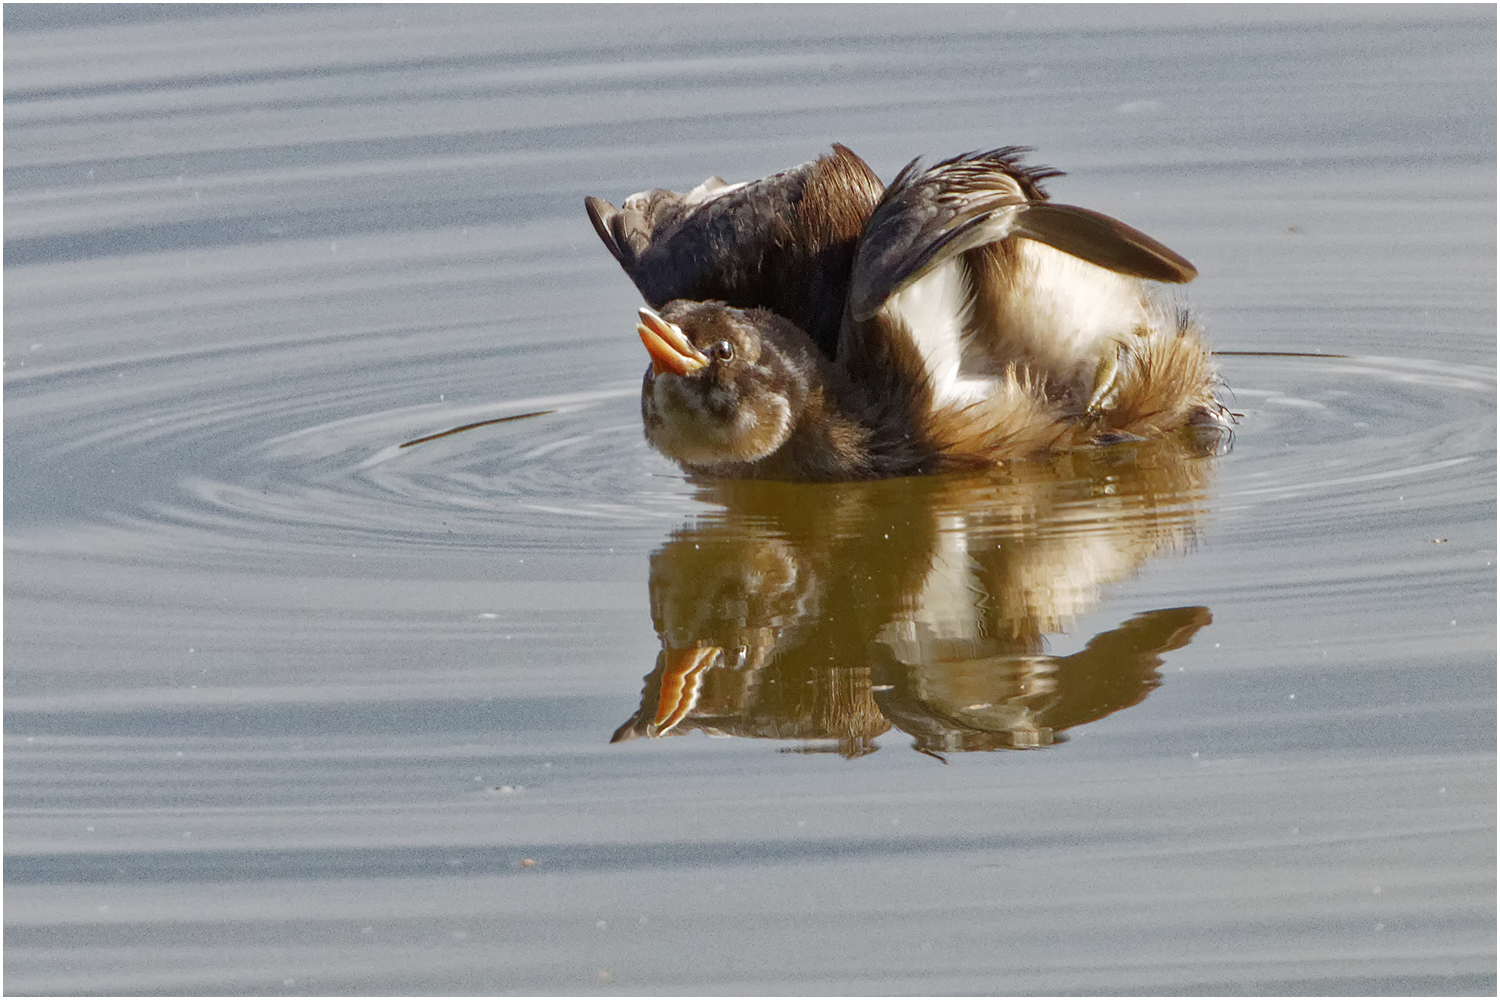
685, 432
761, 429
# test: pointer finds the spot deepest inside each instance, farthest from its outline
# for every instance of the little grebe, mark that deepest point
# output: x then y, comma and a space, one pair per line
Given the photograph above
815, 325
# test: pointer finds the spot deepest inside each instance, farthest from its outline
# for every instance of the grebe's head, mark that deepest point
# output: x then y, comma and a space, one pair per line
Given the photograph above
725, 385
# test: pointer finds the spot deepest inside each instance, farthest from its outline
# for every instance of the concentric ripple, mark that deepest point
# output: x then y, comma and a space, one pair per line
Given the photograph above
1319, 440
1325, 440
579, 464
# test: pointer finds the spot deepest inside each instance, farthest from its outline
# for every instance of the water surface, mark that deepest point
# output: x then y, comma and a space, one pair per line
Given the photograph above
292, 709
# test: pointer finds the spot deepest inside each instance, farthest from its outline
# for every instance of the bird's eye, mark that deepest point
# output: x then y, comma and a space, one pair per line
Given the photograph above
722, 351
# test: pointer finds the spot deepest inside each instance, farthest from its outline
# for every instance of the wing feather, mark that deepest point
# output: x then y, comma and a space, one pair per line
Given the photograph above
930, 216
784, 243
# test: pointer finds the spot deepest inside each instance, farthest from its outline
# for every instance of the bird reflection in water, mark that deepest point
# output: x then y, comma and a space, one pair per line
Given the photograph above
829, 613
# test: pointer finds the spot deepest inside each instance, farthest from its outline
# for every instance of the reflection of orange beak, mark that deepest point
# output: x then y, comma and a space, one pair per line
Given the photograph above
681, 680
668, 346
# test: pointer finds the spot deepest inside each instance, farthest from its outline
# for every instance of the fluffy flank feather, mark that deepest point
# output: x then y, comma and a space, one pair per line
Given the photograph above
1168, 378
1017, 421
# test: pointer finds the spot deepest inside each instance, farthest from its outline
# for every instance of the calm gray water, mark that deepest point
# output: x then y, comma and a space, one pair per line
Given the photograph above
291, 709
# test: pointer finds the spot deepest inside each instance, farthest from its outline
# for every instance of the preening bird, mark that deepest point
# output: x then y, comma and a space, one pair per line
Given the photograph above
817, 325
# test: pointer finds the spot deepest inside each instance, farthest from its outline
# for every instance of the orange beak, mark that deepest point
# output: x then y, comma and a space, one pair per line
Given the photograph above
680, 683
668, 346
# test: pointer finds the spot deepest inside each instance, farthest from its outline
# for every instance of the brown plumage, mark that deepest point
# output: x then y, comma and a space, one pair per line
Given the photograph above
810, 326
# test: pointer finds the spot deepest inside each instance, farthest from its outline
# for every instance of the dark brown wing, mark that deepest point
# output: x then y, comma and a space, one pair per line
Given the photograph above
1104, 241
785, 243
930, 216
